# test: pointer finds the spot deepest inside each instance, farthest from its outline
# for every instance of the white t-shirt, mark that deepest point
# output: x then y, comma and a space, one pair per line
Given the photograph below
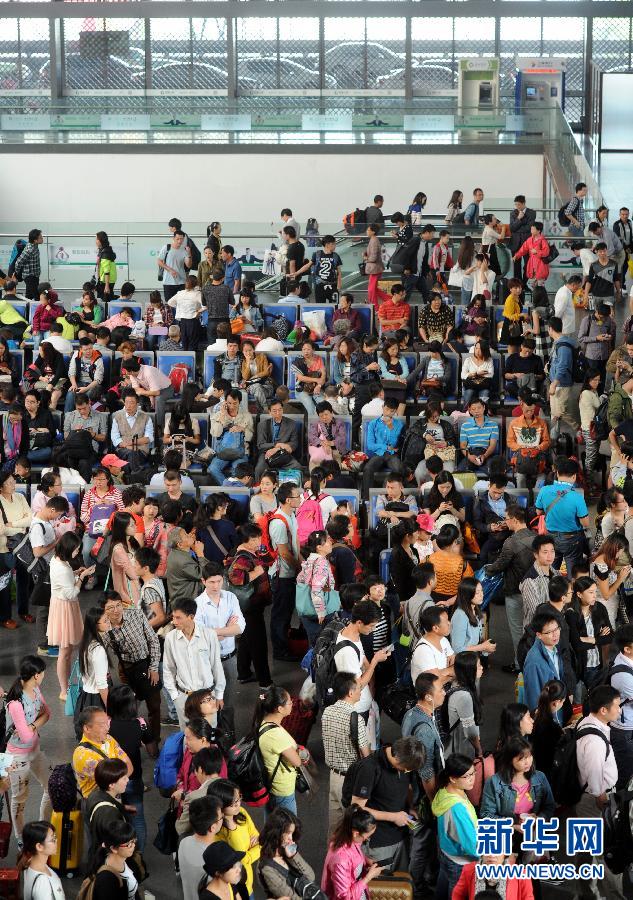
373, 408
96, 677
564, 309
61, 344
41, 534
40, 886
271, 344
190, 860
425, 657
348, 660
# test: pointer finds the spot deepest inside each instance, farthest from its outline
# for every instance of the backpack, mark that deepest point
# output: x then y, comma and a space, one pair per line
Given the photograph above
16, 253
396, 700
459, 219
413, 445
526, 641
196, 257
350, 778
552, 255
309, 516
281, 326
268, 552
36, 566
444, 728
579, 363
353, 219
169, 761
246, 768
62, 788
324, 660
618, 840
179, 376
564, 779
600, 427
86, 891
563, 218
99, 518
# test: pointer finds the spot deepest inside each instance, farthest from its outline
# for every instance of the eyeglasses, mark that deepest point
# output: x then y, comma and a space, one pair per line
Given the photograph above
129, 843
552, 630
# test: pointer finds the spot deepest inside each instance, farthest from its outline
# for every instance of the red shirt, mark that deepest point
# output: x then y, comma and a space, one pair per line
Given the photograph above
390, 311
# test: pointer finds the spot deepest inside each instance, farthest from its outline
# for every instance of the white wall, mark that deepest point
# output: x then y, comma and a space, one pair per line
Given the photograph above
112, 187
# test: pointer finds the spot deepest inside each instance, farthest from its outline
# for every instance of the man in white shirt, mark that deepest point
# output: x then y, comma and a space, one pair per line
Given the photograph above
55, 338
585, 255
374, 409
598, 775
220, 610
191, 659
269, 343
564, 304
43, 540
351, 657
205, 817
433, 653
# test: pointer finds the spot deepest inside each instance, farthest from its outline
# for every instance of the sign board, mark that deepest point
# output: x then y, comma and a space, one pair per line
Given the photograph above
64, 255
25, 122
121, 122
225, 122
429, 123
326, 122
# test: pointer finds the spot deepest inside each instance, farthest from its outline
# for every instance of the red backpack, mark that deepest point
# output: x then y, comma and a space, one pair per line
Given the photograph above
268, 552
179, 376
309, 516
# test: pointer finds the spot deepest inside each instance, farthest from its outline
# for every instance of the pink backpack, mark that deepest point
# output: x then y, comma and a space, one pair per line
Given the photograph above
309, 516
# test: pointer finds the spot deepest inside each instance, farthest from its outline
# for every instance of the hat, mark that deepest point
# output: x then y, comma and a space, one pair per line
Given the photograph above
219, 857
426, 522
111, 459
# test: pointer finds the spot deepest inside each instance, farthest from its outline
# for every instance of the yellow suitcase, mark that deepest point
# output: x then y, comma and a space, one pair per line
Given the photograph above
69, 830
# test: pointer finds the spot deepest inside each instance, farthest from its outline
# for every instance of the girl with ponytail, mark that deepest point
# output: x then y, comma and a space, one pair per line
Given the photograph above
316, 573
316, 506
345, 857
40, 882
278, 748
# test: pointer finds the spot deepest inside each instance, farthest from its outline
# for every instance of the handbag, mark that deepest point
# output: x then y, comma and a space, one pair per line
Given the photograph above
230, 446
305, 606
456, 276
238, 325
13, 540
280, 459
166, 840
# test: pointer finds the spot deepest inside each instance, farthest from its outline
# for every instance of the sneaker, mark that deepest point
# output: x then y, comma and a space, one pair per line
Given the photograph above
169, 722
10, 624
53, 652
28, 618
248, 680
42, 651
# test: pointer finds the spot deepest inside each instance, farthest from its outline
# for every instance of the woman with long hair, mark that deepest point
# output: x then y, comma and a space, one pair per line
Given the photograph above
475, 320
394, 371
131, 733
416, 207
590, 631
27, 713
181, 431
238, 829
477, 373
589, 402
256, 376
278, 748
539, 317
517, 789
51, 486
125, 580
445, 500
483, 276
93, 661
15, 518
40, 882
213, 527
90, 312
611, 514
249, 578
314, 490
341, 360
456, 821
468, 620
462, 709
15, 436
247, 309
199, 735
65, 626
280, 862
465, 267
8, 367
433, 375
214, 230
515, 721
113, 876
547, 729
610, 567
454, 206
264, 500
347, 872
317, 574
106, 267
404, 557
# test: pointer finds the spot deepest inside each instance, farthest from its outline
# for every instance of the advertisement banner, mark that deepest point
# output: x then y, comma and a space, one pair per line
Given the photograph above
64, 255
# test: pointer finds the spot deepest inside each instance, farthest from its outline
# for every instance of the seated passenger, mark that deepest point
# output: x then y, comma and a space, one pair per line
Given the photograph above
523, 369
327, 438
478, 438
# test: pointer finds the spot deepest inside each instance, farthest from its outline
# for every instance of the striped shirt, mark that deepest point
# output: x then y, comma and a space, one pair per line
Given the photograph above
474, 435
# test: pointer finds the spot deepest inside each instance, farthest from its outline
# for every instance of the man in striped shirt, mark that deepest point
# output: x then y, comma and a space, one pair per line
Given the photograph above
478, 438
575, 211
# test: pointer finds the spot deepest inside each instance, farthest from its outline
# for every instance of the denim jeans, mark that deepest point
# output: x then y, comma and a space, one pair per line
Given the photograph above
307, 402
218, 467
86, 546
571, 547
622, 744
134, 797
283, 592
288, 802
312, 627
514, 615
469, 393
448, 877
38, 338
466, 294
39, 454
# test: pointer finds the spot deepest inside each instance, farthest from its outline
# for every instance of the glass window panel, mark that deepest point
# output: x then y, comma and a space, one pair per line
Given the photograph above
517, 37
208, 38
171, 51
612, 43
432, 54
299, 54
24, 56
345, 53
104, 54
258, 67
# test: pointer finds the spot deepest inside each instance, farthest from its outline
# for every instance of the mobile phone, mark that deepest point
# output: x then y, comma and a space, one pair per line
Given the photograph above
389, 648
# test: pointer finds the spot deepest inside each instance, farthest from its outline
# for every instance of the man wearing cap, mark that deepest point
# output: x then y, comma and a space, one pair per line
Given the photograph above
132, 431
115, 466
184, 565
148, 381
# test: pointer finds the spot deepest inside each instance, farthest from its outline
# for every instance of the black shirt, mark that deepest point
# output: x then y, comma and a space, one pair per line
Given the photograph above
129, 734
524, 365
385, 789
296, 253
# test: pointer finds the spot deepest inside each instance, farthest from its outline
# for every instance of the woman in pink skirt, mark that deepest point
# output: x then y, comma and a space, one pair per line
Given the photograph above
65, 626
124, 580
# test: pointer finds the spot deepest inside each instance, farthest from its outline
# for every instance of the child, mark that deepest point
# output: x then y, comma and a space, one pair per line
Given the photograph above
344, 508
22, 470
120, 325
152, 597
424, 544
158, 318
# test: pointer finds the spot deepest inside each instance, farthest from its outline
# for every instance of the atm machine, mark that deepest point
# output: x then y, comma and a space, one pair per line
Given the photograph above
478, 85
540, 82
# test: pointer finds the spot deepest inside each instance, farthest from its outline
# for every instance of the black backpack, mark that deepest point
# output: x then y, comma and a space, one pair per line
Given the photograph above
600, 425
246, 768
526, 641
196, 256
552, 255
396, 700
564, 781
579, 363
324, 660
350, 779
413, 444
618, 839
459, 219
563, 218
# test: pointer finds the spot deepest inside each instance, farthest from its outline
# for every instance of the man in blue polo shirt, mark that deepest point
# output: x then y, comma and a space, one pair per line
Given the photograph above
566, 514
383, 435
232, 269
478, 438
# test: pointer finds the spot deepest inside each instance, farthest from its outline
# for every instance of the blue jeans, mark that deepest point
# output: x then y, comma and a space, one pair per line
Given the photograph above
38, 338
465, 295
307, 402
312, 627
448, 877
288, 802
87, 544
217, 469
575, 232
39, 454
570, 547
469, 393
134, 797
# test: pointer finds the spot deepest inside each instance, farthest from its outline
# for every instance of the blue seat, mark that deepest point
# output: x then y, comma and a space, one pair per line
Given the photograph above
278, 361
292, 355
73, 493
412, 361
115, 307
24, 489
365, 426
209, 361
21, 307
497, 378
18, 356
203, 421
352, 497
374, 493
327, 308
167, 359
107, 357
383, 565
157, 491
146, 356
299, 424
366, 314
273, 310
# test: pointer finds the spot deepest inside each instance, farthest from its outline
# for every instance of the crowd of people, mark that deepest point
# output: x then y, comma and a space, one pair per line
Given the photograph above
376, 512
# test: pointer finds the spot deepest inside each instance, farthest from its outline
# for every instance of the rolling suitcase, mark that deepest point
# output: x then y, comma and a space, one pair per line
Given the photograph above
69, 830
398, 886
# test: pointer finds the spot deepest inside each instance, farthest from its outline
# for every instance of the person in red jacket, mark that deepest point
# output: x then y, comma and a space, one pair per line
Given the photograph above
537, 249
469, 885
47, 312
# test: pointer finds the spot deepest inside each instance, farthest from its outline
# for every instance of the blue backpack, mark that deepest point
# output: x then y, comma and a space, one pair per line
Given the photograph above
169, 761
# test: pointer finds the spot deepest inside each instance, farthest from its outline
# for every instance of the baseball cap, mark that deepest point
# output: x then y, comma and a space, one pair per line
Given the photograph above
219, 857
426, 522
111, 459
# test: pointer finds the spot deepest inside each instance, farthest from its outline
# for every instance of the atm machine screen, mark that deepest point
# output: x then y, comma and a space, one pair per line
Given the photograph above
531, 93
485, 93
